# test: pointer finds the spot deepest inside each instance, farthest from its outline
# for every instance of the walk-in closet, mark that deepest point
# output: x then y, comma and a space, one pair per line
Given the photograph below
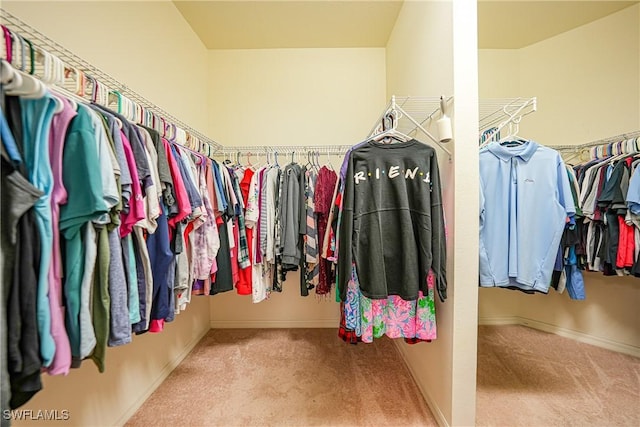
576, 78
308, 75
282, 215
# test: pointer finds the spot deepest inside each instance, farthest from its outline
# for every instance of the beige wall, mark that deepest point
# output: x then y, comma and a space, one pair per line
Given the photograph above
146, 45
586, 81
587, 85
130, 41
421, 62
498, 73
275, 97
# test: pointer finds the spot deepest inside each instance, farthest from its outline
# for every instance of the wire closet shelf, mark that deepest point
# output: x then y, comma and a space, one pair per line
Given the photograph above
40, 41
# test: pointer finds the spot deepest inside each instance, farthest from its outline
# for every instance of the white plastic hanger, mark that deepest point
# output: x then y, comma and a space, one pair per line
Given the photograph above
7, 73
23, 84
329, 163
26, 86
392, 131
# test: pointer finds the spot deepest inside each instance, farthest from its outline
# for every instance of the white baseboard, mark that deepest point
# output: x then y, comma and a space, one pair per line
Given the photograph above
274, 324
164, 373
435, 409
564, 332
507, 320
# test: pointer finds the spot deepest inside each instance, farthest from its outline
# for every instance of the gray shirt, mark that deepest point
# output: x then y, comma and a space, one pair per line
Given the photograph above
291, 216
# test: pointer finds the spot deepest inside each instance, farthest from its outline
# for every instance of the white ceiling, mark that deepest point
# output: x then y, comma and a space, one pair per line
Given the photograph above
290, 24
263, 24
516, 24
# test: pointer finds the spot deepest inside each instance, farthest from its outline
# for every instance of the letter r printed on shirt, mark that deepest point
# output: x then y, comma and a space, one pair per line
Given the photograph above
359, 176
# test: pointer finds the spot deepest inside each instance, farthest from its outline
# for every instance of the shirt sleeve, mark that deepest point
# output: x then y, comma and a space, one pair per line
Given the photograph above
438, 235
564, 189
345, 232
633, 193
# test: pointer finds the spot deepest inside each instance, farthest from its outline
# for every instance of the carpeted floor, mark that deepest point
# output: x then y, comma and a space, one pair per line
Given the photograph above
308, 377
286, 377
531, 378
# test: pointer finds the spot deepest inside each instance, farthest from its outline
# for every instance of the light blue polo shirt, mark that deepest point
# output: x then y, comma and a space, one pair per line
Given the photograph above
525, 199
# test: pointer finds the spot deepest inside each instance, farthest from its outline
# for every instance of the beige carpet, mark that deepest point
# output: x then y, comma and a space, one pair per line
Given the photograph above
286, 377
532, 378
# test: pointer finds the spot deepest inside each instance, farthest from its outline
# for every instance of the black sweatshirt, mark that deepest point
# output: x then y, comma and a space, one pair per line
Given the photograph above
392, 224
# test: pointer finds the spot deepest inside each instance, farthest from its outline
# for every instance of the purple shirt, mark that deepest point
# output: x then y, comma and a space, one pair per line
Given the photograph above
258, 224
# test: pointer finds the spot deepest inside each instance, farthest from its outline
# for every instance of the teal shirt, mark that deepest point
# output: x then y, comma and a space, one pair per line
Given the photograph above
37, 115
134, 298
82, 179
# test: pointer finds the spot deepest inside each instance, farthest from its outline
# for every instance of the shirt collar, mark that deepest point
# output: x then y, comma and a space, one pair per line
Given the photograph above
525, 151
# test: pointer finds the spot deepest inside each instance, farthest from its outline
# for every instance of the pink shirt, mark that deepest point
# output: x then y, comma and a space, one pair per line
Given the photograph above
62, 356
136, 202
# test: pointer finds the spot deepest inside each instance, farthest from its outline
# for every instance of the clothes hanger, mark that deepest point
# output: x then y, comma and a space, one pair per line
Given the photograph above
512, 139
392, 132
249, 165
51, 75
7, 73
8, 43
23, 53
329, 163
309, 163
26, 85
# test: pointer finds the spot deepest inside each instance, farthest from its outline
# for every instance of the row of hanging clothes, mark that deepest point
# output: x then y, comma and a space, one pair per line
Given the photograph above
608, 209
280, 225
105, 224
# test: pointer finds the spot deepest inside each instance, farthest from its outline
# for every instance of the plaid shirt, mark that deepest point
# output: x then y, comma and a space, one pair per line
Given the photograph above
243, 250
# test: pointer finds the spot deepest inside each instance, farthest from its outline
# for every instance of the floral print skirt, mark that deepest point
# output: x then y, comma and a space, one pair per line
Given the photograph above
393, 317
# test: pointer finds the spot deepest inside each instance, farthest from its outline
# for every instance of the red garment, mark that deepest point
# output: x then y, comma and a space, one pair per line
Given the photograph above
245, 284
156, 325
626, 245
325, 184
245, 183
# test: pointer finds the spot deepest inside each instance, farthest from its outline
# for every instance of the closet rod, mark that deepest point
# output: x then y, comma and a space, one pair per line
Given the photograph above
39, 40
285, 149
605, 141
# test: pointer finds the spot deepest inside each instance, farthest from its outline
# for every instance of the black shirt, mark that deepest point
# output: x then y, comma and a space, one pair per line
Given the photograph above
392, 223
